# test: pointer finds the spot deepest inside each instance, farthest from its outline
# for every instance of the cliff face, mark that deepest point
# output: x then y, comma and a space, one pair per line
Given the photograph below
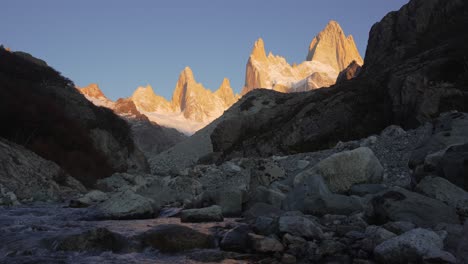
415, 68
330, 52
334, 48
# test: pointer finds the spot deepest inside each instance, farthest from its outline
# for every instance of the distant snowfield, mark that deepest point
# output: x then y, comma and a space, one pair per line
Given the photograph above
177, 121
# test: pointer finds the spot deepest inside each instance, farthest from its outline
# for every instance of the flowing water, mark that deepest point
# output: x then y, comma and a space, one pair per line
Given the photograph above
29, 234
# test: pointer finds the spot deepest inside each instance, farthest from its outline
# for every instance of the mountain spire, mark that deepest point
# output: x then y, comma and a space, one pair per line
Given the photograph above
332, 47
258, 50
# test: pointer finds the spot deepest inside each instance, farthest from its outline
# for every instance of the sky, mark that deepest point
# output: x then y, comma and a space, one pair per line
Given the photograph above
125, 44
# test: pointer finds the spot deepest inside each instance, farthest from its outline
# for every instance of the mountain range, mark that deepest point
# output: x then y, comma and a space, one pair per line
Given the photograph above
193, 106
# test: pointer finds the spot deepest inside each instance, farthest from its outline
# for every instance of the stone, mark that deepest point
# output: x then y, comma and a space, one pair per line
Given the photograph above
264, 225
300, 226
462, 249
176, 238
302, 164
236, 239
375, 235
268, 196
443, 190
264, 244
329, 247
393, 131
262, 209
342, 170
412, 246
288, 259
364, 189
207, 214
98, 239
25, 176
398, 204
349, 73
91, 198
453, 165
126, 205
399, 227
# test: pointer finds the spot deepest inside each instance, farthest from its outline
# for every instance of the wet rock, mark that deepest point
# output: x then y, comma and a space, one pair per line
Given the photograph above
342, 170
399, 204
236, 239
265, 244
99, 239
462, 249
176, 238
126, 205
443, 190
412, 246
207, 214
453, 165
300, 226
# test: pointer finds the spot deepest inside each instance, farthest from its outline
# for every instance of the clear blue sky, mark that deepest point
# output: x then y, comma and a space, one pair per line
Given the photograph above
123, 44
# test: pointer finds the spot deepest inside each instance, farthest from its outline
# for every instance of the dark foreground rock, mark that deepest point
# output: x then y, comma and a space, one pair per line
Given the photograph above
176, 238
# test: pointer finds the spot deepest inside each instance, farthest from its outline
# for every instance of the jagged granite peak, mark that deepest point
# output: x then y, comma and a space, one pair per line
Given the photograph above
332, 47
258, 50
226, 93
92, 90
146, 100
275, 73
93, 93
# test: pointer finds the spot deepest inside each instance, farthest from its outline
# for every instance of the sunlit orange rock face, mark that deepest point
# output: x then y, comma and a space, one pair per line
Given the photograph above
333, 47
330, 52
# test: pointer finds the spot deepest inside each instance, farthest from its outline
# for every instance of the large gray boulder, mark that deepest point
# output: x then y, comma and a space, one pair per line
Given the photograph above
176, 238
398, 204
126, 205
265, 244
412, 246
443, 150
443, 190
207, 214
312, 196
344, 169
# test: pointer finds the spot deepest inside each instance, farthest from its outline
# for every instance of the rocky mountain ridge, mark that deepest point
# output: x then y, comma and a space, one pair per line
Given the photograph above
330, 52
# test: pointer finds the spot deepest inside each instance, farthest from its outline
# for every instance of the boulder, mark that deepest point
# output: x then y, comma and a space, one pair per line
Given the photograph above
375, 235
443, 190
236, 239
462, 249
176, 238
268, 196
412, 246
454, 165
399, 227
300, 226
264, 225
312, 196
207, 214
126, 205
398, 204
263, 244
364, 189
442, 152
99, 239
91, 198
262, 209
343, 170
